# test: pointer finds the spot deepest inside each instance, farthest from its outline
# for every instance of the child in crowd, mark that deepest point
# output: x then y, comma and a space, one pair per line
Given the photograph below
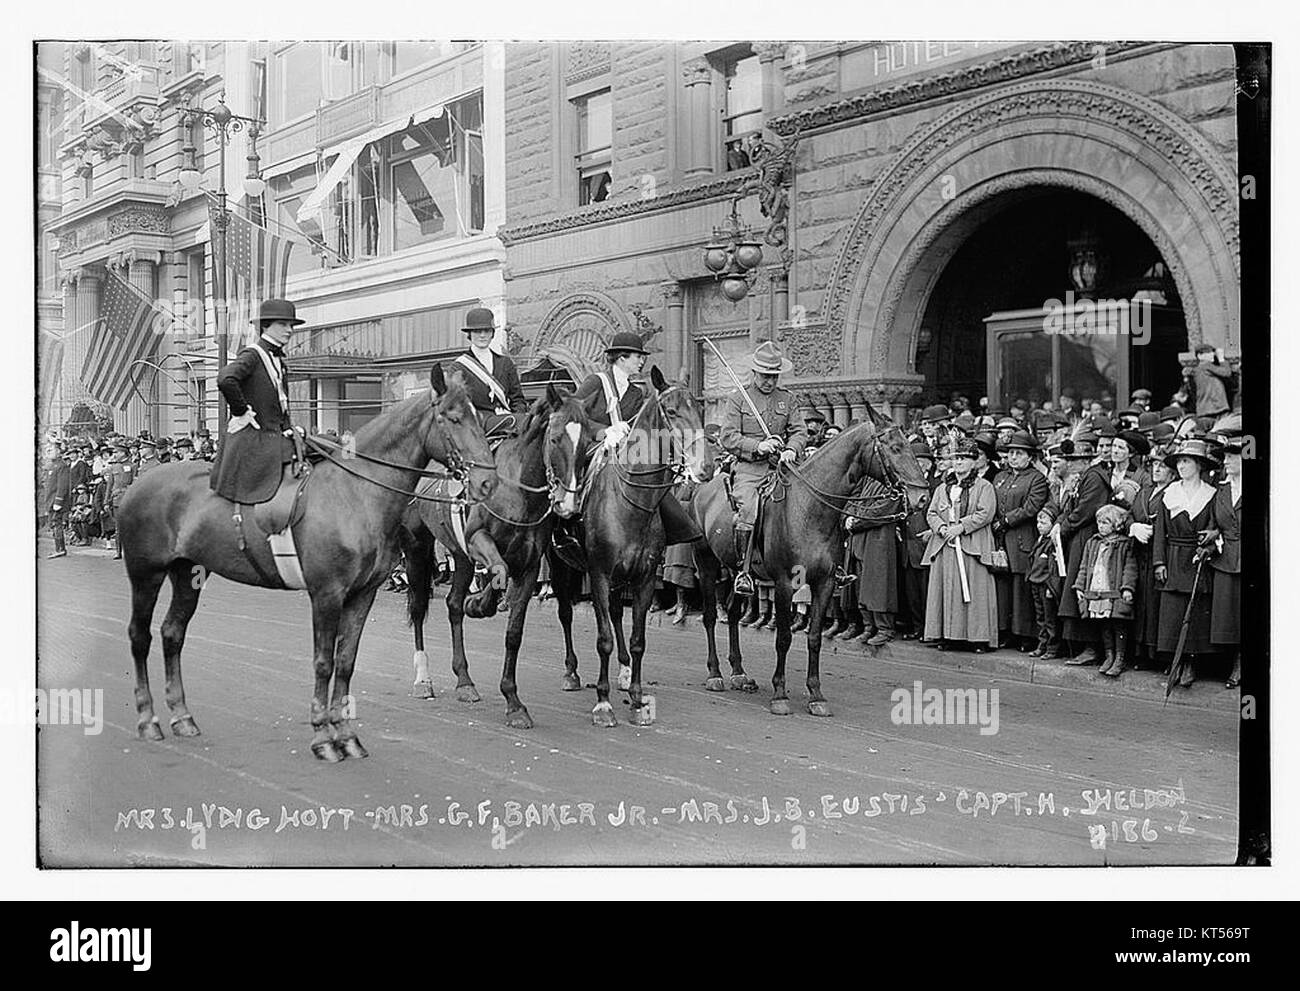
1106, 584
1045, 582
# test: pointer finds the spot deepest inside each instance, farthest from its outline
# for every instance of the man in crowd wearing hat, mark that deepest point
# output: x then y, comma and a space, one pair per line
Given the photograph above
1141, 400
148, 455
814, 424
79, 467
165, 455
118, 479
205, 449
1208, 379
256, 387
491, 379
183, 449
58, 499
762, 428
934, 424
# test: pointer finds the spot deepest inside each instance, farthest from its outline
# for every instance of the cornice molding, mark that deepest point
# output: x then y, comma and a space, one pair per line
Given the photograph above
948, 84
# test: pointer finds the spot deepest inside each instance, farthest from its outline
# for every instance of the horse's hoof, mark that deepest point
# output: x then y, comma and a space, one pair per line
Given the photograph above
422, 690
642, 716
624, 677
603, 715
468, 694
743, 683
571, 683
715, 685
779, 707
327, 751
351, 747
152, 730
519, 719
185, 726
819, 708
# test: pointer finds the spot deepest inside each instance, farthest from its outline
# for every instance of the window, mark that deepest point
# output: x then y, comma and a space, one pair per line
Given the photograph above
135, 161
742, 116
301, 80
257, 79
406, 55
435, 177
338, 70
186, 58
595, 140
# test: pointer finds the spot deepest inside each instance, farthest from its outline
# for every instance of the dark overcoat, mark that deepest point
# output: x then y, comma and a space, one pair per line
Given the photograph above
1078, 523
249, 464
1021, 494
875, 544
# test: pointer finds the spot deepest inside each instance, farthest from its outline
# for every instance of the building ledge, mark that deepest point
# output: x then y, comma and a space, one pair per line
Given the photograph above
149, 191
426, 262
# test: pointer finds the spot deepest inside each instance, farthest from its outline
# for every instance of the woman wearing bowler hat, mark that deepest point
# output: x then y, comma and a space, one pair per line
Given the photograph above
256, 388
491, 379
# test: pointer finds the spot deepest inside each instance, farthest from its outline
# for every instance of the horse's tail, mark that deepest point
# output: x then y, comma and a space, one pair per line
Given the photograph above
418, 546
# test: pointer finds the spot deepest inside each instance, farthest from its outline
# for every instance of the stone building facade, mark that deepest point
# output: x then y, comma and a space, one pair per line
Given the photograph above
382, 160
941, 195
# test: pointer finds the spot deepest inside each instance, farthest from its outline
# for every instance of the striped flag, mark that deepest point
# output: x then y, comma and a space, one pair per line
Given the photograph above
257, 263
125, 334
51, 369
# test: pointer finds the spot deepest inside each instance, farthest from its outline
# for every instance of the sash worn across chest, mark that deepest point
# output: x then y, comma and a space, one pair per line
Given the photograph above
611, 397
274, 374
486, 377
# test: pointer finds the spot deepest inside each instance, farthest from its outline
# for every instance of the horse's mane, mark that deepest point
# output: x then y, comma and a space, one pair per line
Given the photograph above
368, 431
839, 447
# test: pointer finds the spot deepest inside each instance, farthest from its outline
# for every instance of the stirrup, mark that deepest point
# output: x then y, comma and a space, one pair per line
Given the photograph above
744, 584
842, 578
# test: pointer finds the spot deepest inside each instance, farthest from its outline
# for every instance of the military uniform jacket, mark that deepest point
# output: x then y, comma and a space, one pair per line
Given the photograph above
1021, 494
119, 476
248, 469
507, 376
741, 433
58, 487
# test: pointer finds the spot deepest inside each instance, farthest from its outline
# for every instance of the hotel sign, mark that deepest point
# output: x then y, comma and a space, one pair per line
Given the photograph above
889, 62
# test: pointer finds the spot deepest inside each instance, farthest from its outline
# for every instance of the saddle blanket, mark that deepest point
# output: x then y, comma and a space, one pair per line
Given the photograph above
448, 488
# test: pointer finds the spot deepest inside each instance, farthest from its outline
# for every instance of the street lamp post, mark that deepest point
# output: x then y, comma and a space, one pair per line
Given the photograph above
222, 122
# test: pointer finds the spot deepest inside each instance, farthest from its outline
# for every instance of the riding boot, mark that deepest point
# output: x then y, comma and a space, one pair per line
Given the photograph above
744, 582
1121, 650
1107, 647
768, 622
751, 614
800, 622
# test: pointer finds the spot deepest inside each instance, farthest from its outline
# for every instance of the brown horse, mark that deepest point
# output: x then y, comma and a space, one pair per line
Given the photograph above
172, 525
802, 540
539, 472
624, 535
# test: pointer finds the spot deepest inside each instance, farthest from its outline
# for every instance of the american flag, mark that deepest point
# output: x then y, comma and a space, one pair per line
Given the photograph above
125, 334
258, 265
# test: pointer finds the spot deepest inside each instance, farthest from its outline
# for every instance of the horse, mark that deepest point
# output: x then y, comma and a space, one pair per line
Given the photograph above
624, 536
538, 473
172, 525
802, 540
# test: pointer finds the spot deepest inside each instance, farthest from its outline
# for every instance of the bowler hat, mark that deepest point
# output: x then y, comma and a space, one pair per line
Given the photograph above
768, 360
1102, 427
936, 414
1171, 413
920, 449
1135, 441
625, 342
276, 309
203, 432
1147, 422
1162, 432
1140, 394
184, 442
1021, 441
988, 444
965, 423
479, 318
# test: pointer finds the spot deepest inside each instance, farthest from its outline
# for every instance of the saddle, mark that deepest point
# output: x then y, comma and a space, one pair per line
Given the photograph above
448, 488
275, 519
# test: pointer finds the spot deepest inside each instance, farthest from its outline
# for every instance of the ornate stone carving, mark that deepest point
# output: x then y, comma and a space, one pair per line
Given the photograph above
1181, 145
769, 51
139, 219
813, 348
587, 59
578, 328
697, 71
944, 85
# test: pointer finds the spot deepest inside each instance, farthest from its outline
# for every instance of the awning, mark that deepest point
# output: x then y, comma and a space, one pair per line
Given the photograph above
348, 152
288, 165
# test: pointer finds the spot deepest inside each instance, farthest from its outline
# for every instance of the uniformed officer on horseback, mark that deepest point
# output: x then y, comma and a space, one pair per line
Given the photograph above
259, 438
491, 379
761, 429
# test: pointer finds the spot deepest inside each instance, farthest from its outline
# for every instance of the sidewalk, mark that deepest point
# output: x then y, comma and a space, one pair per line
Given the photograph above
1009, 664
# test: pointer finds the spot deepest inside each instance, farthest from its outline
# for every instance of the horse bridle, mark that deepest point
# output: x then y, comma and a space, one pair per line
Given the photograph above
895, 488
678, 465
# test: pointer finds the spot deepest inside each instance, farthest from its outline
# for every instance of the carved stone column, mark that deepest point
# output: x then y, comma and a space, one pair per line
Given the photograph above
857, 404
698, 75
770, 56
85, 314
839, 412
675, 329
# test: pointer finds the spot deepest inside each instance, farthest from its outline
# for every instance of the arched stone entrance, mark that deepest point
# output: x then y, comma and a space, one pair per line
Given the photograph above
1116, 146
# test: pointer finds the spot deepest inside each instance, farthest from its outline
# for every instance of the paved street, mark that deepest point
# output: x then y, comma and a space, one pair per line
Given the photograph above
717, 779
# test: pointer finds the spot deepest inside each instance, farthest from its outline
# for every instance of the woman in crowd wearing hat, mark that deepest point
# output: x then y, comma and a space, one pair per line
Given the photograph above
491, 379
987, 465
1022, 491
962, 601
1085, 491
256, 388
1185, 516
1225, 537
1146, 613
914, 533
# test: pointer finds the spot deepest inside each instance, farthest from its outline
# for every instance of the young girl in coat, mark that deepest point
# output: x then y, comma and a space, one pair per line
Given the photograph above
1106, 584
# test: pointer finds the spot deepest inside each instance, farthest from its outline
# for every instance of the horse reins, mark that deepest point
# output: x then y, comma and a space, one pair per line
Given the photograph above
894, 489
677, 466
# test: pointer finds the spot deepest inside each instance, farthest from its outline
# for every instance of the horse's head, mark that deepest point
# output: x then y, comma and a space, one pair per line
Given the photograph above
457, 438
889, 459
685, 426
568, 438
